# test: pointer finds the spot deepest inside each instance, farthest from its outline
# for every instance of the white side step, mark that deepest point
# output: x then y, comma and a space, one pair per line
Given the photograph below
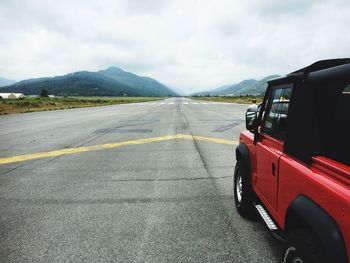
268, 220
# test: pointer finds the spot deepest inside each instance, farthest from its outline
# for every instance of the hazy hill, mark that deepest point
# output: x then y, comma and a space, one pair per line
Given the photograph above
245, 87
133, 80
212, 92
228, 89
178, 91
109, 82
6, 82
259, 87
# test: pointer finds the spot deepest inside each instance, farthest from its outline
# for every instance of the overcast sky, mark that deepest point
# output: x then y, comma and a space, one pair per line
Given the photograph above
187, 44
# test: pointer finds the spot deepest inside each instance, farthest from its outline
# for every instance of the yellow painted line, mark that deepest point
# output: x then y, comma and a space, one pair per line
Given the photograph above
215, 140
34, 156
208, 139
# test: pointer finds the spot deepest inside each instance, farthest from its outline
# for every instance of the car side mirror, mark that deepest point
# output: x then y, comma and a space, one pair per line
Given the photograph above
251, 118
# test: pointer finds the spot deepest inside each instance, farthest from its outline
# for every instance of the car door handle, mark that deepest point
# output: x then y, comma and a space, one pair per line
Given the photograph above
273, 169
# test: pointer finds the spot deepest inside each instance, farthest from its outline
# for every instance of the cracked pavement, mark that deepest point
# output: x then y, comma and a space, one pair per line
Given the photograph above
166, 201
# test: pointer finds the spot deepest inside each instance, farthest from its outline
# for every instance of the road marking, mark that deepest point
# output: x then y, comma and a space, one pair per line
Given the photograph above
40, 155
185, 102
208, 139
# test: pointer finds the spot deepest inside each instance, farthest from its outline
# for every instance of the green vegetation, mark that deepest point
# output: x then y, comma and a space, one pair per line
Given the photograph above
58, 103
44, 93
238, 99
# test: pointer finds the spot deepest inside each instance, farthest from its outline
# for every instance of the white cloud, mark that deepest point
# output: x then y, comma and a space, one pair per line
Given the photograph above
188, 44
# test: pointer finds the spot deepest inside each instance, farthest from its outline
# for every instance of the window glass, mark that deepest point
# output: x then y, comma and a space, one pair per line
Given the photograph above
276, 120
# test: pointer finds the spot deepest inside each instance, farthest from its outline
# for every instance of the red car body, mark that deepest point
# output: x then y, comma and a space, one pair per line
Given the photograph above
303, 189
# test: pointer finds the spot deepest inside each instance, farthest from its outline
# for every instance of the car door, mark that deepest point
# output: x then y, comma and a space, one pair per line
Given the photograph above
269, 147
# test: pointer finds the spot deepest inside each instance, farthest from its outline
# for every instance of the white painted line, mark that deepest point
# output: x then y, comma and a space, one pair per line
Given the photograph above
185, 102
195, 103
172, 103
161, 103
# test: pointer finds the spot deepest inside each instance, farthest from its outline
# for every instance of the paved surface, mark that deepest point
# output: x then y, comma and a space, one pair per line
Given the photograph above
153, 201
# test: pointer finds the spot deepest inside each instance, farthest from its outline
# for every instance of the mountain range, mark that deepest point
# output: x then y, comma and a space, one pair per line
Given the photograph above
112, 81
245, 87
6, 82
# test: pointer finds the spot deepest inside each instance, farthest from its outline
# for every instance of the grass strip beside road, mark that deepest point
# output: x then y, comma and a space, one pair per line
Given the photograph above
34, 156
22, 105
239, 99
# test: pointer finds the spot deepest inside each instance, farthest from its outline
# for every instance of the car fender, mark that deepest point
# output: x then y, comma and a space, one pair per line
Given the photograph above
242, 155
303, 212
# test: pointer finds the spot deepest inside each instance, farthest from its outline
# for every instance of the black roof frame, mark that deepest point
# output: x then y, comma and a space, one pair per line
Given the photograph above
317, 66
301, 140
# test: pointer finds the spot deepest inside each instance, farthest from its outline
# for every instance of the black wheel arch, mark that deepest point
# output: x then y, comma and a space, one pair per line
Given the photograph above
305, 213
242, 155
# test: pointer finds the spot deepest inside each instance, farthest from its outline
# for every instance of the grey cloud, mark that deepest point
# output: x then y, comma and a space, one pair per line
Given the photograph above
189, 44
227, 27
147, 7
275, 8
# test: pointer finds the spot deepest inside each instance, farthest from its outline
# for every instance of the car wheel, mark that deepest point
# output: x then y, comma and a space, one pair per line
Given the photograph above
244, 196
302, 246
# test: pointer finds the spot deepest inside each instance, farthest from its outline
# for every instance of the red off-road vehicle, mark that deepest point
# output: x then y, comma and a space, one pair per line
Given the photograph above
293, 162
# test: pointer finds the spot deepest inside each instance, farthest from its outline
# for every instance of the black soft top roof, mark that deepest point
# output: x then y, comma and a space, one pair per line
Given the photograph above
319, 65
316, 102
322, 64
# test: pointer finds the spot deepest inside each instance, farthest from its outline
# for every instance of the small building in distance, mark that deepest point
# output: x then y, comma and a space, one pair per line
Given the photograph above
11, 95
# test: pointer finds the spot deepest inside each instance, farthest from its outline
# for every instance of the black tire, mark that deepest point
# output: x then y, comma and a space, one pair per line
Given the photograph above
245, 198
303, 246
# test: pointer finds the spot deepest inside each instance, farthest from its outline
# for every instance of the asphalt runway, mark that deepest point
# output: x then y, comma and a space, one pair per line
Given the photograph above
143, 182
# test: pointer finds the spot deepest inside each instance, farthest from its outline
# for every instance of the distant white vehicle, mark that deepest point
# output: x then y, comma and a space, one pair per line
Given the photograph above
11, 95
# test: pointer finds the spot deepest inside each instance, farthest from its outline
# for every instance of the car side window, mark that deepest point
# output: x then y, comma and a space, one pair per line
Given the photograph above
275, 122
